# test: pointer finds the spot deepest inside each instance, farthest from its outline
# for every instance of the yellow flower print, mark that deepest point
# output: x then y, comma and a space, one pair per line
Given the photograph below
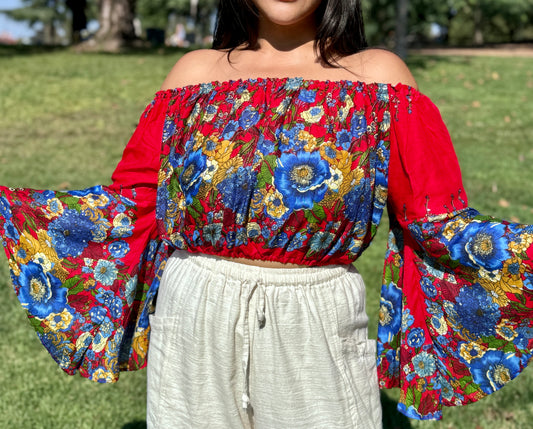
506, 330
381, 194
526, 240
336, 179
43, 261
102, 376
469, 351
54, 208
210, 170
213, 147
311, 140
452, 228
21, 254
245, 96
511, 280
59, 321
440, 325
273, 201
329, 152
345, 110
140, 343
91, 212
83, 340
226, 168
253, 229
351, 180
313, 115
495, 290
14, 267
60, 272
96, 200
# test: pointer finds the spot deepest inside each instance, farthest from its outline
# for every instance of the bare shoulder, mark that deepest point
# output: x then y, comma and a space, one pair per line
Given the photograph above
380, 65
192, 68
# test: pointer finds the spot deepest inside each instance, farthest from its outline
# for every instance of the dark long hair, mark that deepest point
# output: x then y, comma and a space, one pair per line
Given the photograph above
340, 28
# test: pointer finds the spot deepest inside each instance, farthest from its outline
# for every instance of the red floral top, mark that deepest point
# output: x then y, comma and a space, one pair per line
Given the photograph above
287, 170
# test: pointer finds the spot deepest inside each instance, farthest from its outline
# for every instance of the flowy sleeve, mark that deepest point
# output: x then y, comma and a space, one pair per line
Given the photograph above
86, 264
455, 320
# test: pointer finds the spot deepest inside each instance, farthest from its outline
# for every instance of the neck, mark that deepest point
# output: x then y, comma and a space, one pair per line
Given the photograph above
277, 39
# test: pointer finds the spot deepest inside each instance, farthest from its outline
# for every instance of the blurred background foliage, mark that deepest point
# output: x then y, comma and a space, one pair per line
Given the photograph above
119, 23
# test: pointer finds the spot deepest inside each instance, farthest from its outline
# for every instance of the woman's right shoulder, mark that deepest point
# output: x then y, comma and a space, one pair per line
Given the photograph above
193, 67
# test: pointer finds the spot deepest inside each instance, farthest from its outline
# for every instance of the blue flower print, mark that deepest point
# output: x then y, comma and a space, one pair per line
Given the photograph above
293, 83
230, 130
236, 189
307, 96
119, 249
97, 314
320, 241
476, 311
424, 364
168, 129
5, 210
481, 244
11, 231
265, 146
494, 369
278, 240
301, 179
358, 126
212, 233
40, 293
248, 118
344, 139
390, 312
428, 288
357, 202
42, 197
105, 272
189, 178
416, 337
71, 233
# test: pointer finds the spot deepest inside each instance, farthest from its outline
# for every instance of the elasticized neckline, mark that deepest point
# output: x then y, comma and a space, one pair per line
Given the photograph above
300, 82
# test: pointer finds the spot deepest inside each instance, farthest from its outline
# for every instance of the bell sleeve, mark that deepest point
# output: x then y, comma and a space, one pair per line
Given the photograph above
457, 298
86, 264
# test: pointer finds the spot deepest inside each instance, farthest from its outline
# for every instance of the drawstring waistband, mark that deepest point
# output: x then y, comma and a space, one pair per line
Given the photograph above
249, 289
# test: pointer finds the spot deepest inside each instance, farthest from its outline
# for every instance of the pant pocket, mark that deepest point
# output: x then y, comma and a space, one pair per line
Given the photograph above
161, 329
360, 360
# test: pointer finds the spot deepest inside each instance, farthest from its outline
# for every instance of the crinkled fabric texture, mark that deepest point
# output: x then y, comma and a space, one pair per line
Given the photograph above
289, 170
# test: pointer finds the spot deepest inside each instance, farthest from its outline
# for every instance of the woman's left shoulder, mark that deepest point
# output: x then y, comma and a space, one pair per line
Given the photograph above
381, 66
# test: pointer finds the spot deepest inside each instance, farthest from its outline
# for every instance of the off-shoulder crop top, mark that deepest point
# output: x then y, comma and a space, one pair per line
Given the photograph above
287, 170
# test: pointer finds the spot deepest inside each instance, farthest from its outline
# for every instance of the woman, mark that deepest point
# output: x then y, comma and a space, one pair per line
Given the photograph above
242, 203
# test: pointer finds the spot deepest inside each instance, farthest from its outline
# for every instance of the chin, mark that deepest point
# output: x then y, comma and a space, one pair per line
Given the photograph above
286, 12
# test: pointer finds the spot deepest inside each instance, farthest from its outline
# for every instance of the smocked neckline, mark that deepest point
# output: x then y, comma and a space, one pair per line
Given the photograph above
303, 83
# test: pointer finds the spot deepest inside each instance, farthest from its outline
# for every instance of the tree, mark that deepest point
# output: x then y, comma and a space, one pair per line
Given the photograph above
402, 25
116, 29
158, 14
49, 13
79, 19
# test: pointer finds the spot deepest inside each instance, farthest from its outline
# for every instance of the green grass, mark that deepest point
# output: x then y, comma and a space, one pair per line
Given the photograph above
64, 120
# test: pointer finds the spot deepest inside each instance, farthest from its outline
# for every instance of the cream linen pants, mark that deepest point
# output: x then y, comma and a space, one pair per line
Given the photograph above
237, 346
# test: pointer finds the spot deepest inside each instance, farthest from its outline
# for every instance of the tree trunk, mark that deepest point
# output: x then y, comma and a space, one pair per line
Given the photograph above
116, 24
479, 38
402, 24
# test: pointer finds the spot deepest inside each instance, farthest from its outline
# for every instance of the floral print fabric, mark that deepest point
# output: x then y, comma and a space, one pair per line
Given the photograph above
289, 170
285, 170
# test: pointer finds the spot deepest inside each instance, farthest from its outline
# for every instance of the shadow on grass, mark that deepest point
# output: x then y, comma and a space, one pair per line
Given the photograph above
139, 424
392, 419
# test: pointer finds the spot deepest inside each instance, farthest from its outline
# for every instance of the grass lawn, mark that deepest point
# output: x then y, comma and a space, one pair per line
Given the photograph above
64, 120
